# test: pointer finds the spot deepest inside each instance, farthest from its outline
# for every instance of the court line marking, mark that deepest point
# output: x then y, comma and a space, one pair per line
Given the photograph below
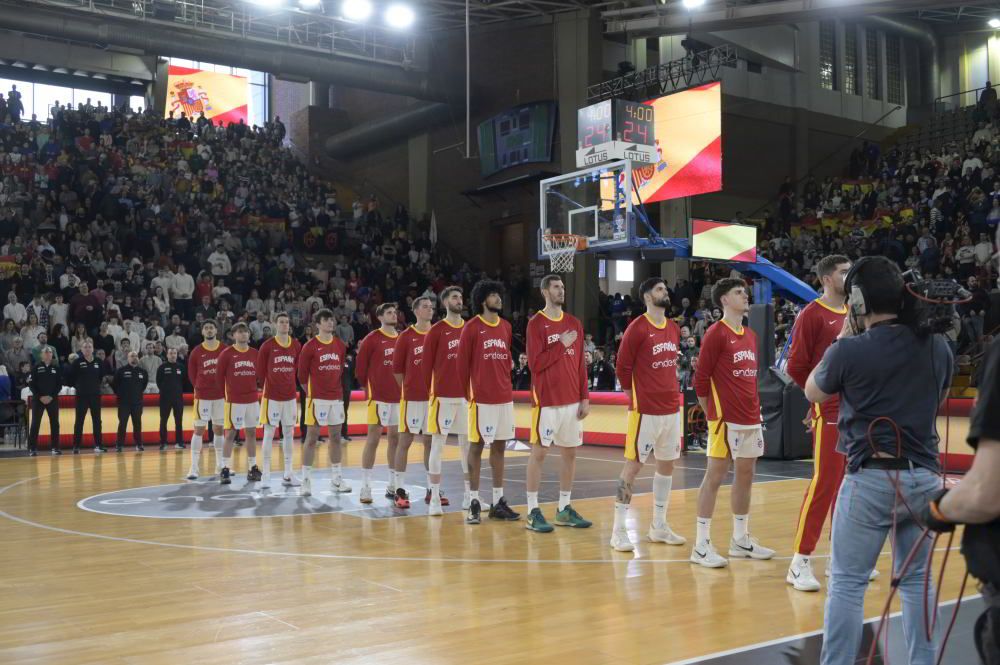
349, 557
792, 638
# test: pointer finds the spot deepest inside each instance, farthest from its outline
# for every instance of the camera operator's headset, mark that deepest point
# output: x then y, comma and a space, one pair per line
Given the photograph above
857, 293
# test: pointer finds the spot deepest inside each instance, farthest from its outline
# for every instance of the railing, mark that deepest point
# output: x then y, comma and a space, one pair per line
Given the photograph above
974, 92
288, 27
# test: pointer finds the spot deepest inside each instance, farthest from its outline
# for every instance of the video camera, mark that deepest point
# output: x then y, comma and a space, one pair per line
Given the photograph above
929, 304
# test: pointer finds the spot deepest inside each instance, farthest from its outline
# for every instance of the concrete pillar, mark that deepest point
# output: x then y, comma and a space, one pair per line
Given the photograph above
419, 155
674, 216
640, 54
578, 64
319, 94
670, 48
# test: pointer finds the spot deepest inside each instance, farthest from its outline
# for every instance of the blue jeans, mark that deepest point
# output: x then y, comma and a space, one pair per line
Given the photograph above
862, 520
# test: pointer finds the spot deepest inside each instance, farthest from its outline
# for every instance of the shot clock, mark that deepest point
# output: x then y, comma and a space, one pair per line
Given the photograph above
615, 129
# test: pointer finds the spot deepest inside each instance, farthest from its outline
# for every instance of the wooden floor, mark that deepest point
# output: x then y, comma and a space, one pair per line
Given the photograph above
83, 587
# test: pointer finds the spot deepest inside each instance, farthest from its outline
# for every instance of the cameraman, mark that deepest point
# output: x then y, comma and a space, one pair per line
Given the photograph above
881, 369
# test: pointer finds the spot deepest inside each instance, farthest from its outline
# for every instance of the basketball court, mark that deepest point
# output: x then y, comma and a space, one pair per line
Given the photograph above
239, 574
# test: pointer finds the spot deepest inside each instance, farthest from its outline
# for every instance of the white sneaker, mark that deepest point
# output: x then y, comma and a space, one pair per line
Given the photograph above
665, 535
801, 577
366, 494
307, 487
872, 576
291, 480
749, 548
704, 554
340, 486
435, 508
620, 541
193, 474
265, 480
466, 500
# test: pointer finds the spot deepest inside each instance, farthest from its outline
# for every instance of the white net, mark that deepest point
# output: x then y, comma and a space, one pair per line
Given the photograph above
561, 250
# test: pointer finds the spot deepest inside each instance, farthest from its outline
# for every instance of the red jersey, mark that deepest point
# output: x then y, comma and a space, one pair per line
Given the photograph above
484, 361
321, 367
647, 366
727, 375
558, 373
204, 372
277, 368
409, 360
816, 327
373, 368
238, 370
441, 349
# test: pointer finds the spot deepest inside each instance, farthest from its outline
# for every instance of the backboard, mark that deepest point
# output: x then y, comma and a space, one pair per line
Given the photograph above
596, 203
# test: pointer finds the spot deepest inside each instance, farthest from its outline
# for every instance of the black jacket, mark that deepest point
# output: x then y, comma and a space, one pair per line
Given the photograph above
170, 380
45, 380
85, 376
130, 384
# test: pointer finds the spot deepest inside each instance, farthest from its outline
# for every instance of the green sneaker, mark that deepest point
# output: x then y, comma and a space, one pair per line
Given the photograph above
536, 522
569, 517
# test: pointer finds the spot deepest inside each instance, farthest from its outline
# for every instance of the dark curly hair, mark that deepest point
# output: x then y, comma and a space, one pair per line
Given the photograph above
724, 286
482, 290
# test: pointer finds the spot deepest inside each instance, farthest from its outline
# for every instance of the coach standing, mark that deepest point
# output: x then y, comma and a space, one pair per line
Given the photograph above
130, 383
45, 382
85, 376
170, 383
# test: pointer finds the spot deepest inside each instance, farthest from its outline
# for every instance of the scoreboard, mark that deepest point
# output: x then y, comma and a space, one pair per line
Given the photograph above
615, 129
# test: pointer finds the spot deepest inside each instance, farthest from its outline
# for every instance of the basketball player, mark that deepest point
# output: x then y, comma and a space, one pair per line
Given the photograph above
561, 401
209, 394
484, 364
373, 370
277, 361
816, 327
412, 373
726, 385
321, 364
647, 371
449, 412
238, 368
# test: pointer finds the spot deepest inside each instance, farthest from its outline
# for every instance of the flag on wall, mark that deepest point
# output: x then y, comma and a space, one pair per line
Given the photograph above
222, 98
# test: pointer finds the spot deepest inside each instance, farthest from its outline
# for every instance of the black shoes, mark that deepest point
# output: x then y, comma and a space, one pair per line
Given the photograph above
119, 449
501, 511
139, 447
253, 475
225, 477
32, 453
473, 517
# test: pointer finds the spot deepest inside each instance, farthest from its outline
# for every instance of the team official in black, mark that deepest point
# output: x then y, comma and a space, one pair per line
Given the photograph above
130, 384
45, 382
170, 383
84, 375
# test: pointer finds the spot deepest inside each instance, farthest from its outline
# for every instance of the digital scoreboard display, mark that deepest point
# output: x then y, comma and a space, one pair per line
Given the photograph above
615, 120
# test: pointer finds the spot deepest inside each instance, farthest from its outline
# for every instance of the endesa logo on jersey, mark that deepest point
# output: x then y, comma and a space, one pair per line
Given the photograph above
499, 354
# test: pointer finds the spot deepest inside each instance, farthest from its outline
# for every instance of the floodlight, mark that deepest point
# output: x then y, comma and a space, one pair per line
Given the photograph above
399, 16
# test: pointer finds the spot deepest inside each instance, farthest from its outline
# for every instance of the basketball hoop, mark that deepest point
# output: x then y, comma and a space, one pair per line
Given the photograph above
561, 249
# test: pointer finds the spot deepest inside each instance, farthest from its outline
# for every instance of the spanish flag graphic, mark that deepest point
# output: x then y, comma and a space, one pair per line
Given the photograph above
723, 242
221, 97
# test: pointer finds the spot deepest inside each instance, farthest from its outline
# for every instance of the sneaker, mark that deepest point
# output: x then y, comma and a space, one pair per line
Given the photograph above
179, 446
100, 449
307, 487
801, 577
434, 509
76, 450
366, 494
265, 480
291, 480
163, 447
139, 448
444, 499
664, 534
342, 487
192, 474
225, 477
390, 493
56, 451
119, 449
501, 511
569, 517
474, 513
466, 500
402, 500
34, 453
620, 541
749, 548
705, 555
254, 474
537, 522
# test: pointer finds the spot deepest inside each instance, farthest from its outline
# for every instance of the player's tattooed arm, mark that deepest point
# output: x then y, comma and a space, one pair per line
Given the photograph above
624, 493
